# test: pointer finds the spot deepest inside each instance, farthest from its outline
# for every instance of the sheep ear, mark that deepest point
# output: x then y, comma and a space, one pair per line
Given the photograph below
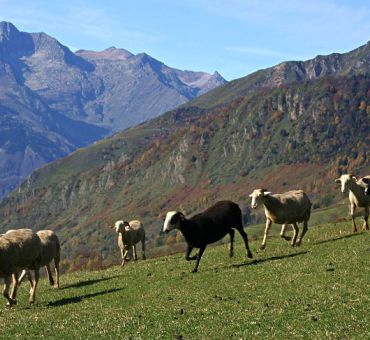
112, 227
267, 193
354, 177
366, 180
250, 195
337, 180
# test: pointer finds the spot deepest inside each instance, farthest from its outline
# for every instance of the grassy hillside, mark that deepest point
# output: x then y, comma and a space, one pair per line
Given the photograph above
320, 290
297, 136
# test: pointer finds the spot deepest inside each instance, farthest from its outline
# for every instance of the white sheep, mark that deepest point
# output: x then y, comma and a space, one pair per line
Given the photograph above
356, 196
287, 208
129, 234
19, 249
50, 251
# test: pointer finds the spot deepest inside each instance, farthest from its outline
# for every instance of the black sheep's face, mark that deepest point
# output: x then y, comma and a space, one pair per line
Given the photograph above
172, 221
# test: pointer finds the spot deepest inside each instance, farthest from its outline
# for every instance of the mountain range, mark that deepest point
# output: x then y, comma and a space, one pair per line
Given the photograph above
53, 101
294, 125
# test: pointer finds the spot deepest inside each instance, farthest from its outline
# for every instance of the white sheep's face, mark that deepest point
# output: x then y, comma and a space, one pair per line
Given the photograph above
346, 181
257, 197
172, 221
120, 226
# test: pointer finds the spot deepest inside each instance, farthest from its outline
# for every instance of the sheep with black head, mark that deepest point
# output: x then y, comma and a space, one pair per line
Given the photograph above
208, 227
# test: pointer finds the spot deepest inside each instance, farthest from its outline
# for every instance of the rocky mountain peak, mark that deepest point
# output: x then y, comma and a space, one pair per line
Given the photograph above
111, 53
7, 30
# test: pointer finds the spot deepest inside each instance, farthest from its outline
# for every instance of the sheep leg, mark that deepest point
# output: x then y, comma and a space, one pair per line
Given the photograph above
231, 246
366, 217
33, 290
353, 209
124, 253
13, 294
50, 277
7, 282
246, 243
56, 264
188, 252
143, 248
267, 228
282, 232
199, 256
295, 234
29, 277
134, 254
23, 274
303, 232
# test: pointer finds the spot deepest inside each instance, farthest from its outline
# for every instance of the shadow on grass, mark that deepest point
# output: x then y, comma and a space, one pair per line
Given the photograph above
338, 238
273, 258
76, 299
88, 282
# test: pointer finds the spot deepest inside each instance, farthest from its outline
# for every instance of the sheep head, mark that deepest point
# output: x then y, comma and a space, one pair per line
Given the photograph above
121, 226
257, 197
172, 221
365, 183
346, 181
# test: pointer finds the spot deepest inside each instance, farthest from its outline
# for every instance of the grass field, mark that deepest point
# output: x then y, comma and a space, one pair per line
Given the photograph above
320, 290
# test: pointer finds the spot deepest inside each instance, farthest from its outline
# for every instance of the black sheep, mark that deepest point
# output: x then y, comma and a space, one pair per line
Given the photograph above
207, 227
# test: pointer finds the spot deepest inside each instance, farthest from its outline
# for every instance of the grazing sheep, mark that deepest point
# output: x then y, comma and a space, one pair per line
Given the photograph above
357, 198
19, 249
130, 233
50, 251
288, 208
207, 227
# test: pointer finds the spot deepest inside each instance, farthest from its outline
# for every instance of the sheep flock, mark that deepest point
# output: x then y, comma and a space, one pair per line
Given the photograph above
24, 251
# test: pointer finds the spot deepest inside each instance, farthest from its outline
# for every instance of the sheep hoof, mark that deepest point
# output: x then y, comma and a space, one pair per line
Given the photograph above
250, 255
31, 302
11, 303
263, 246
56, 286
194, 271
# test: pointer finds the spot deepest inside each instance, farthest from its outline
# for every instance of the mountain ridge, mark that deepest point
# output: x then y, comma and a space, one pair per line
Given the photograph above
41, 80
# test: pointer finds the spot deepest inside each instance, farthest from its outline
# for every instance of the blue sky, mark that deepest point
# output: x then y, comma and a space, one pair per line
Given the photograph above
234, 37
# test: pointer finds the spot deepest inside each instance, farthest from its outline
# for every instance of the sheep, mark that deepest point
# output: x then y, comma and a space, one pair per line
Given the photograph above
129, 234
287, 208
50, 251
19, 249
356, 196
207, 227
